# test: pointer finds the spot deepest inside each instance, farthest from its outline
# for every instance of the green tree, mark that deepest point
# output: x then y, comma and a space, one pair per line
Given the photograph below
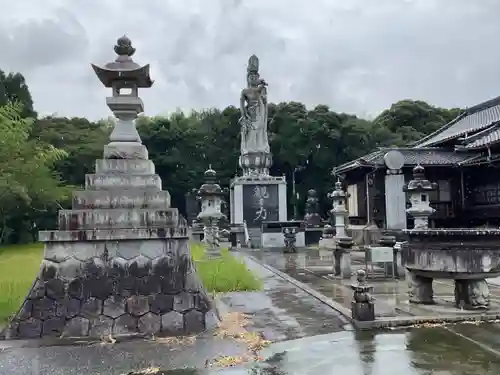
27, 182
14, 89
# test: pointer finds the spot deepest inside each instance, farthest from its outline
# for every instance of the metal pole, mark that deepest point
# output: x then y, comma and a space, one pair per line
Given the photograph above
294, 195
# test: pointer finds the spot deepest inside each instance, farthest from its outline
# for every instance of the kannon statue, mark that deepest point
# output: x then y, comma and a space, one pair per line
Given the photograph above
253, 106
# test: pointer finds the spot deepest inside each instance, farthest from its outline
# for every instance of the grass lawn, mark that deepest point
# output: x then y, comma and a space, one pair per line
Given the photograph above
224, 274
20, 264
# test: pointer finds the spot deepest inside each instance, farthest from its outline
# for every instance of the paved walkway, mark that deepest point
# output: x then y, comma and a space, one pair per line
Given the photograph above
280, 312
315, 268
307, 338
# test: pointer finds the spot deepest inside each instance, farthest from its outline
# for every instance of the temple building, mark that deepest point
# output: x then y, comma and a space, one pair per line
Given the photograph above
462, 157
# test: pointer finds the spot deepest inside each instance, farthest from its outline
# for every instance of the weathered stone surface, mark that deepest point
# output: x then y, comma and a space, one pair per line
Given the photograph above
43, 308
30, 328
77, 327
114, 307
149, 323
55, 289
125, 324
420, 289
53, 326
91, 308
183, 301
101, 326
137, 305
194, 321
172, 323
161, 303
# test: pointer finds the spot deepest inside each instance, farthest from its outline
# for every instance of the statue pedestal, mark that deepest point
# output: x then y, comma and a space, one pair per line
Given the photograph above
255, 200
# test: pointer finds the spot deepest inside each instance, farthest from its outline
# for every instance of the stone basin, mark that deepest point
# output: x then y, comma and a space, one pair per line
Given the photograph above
468, 256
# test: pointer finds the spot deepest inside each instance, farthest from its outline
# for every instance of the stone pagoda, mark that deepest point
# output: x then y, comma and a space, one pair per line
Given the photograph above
120, 263
256, 197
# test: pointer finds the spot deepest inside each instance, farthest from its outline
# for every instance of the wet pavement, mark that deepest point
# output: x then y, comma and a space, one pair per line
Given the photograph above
315, 268
308, 338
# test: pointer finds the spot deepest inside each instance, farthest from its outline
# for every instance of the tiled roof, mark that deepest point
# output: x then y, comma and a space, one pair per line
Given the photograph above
482, 139
413, 156
472, 120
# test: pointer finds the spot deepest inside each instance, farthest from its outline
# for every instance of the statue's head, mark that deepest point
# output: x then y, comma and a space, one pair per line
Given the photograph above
253, 77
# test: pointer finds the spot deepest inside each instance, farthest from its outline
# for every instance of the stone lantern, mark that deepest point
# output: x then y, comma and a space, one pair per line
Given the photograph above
418, 191
339, 211
124, 77
210, 194
343, 245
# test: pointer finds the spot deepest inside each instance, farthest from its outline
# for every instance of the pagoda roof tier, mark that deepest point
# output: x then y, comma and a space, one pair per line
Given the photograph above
124, 71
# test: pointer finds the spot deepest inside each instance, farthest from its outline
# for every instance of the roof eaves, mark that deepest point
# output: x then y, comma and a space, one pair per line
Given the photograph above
437, 132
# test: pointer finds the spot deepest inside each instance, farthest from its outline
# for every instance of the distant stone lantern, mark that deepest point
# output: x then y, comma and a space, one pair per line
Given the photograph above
211, 195
418, 191
124, 77
339, 210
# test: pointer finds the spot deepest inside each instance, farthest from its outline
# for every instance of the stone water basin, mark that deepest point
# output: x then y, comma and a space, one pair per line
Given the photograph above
467, 256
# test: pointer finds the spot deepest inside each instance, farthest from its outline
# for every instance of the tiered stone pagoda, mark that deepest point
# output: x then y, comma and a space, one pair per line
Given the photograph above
120, 262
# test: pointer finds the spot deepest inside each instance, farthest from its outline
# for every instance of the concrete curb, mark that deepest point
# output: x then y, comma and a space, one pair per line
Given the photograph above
345, 313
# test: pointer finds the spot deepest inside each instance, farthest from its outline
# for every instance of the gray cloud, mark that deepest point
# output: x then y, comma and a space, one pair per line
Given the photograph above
355, 56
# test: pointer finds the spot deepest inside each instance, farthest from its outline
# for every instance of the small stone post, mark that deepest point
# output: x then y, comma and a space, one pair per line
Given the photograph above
362, 305
420, 287
210, 194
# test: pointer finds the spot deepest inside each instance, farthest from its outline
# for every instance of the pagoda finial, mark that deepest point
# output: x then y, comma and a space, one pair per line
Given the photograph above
124, 47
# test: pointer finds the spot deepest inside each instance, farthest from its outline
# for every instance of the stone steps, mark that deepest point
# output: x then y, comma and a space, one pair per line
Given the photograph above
121, 198
131, 181
117, 218
129, 166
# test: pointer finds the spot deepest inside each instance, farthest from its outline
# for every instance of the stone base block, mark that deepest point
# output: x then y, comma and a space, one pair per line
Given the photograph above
126, 150
472, 294
128, 166
121, 198
113, 288
420, 289
122, 181
117, 218
363, 311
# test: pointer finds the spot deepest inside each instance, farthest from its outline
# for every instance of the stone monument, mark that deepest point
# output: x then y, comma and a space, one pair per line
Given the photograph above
120, 262
312, 217
210, 195
256, 196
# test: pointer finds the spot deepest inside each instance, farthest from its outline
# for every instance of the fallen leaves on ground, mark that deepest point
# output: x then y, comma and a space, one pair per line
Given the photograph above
107, 340
233, 326
182, 340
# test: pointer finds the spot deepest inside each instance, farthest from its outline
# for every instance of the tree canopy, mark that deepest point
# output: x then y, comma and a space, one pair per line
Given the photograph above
42, 160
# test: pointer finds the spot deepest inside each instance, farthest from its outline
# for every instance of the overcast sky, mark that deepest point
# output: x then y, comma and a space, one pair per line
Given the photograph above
356, 56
